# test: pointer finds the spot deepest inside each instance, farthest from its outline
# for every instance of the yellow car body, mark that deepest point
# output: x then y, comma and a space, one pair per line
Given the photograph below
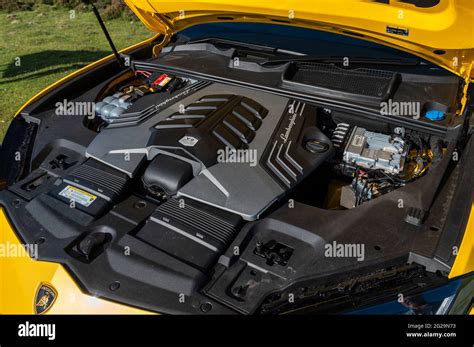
443, 35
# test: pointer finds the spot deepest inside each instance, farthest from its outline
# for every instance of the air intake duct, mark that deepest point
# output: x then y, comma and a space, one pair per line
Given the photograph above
190, 231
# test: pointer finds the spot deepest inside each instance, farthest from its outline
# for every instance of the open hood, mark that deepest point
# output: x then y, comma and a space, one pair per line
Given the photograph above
182, 183
440, 31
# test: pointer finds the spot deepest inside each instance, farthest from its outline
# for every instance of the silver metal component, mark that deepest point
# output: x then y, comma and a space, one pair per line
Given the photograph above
348, 197
372, 150
241, 189
340, 134
116, 103
109, 99
113, 106
105, 111
188, 141
99, 106
116, 112
400, 131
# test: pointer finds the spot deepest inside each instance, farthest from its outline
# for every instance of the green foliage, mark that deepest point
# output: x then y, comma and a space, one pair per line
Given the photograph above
48, 44
115, 9
109, 9
12, 5
70, 4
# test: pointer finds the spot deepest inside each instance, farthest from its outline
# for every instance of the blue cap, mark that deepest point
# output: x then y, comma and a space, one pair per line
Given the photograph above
435, 115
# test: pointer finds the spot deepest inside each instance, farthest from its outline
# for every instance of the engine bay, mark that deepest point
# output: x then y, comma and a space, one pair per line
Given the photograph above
200, 123
227, 192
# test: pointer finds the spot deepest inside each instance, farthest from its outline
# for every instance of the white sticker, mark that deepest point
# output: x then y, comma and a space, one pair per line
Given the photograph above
358, 140
188, 141
78, 195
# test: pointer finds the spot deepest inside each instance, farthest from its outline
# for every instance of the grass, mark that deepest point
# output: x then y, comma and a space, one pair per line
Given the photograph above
39, 47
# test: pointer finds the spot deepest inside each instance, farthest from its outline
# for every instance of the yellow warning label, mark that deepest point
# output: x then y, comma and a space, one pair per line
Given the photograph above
78, 195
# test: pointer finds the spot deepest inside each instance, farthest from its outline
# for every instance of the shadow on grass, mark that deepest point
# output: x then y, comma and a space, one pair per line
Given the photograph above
34, 65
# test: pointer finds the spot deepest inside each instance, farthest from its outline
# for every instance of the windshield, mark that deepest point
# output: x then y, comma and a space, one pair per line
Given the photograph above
302, 40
